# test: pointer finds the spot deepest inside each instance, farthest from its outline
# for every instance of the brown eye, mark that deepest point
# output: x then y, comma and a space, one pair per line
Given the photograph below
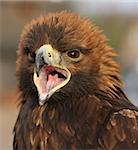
75, 53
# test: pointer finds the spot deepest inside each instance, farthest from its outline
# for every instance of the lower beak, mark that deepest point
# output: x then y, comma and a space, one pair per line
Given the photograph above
49, 77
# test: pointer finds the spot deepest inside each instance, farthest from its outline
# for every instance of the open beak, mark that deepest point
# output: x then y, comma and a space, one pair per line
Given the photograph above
49, 75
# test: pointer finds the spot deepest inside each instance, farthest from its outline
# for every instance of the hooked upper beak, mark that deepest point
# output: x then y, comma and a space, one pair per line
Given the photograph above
46, 55
49, 75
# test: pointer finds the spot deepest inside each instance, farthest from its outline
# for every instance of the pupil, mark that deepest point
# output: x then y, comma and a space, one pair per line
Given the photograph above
73, 54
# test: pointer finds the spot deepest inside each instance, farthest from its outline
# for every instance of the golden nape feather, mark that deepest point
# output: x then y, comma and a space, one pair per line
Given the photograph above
71, 94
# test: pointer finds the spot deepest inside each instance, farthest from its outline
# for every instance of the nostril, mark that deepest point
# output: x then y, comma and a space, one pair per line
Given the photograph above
49, 55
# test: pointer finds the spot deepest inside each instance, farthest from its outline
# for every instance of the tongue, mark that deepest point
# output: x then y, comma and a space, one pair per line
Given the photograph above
53, 81
46, 82
47, 85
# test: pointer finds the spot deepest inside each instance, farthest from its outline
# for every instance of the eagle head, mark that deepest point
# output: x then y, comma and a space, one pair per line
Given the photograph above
62, 53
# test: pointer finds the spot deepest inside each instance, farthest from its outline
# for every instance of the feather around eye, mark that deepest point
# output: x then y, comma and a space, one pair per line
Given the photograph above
31, 57
26, 50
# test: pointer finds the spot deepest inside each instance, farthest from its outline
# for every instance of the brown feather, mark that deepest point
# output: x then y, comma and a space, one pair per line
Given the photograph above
123, 127
91, 111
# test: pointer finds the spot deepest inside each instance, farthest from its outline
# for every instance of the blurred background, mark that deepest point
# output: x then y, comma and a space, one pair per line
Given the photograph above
119, 21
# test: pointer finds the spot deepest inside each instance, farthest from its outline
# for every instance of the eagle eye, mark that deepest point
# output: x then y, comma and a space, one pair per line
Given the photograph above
75, 53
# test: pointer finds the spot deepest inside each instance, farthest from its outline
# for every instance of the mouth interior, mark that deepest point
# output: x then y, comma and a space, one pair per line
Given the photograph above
51, 77
59, 75
50, 80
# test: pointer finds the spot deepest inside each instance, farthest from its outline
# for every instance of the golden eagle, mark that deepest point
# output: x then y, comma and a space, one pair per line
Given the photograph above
71, 93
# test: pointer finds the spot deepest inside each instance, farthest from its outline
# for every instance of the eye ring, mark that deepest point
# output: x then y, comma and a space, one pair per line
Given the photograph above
74, 53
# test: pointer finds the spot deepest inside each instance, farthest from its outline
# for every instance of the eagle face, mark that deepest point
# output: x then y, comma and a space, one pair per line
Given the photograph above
55, 52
